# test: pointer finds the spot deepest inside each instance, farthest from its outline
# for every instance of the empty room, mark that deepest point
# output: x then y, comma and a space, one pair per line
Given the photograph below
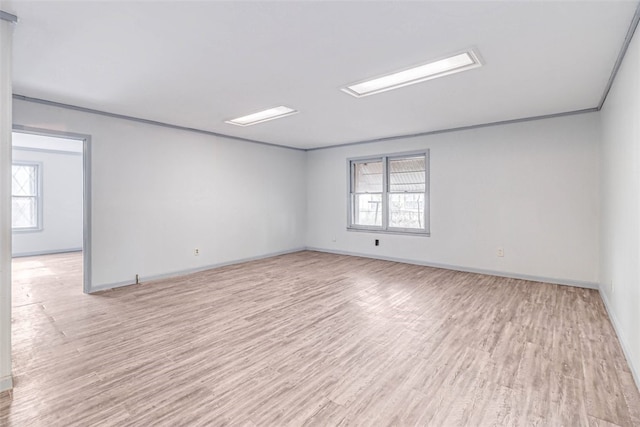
319, 213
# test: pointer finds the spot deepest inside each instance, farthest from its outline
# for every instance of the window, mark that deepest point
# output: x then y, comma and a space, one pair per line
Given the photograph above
25, 196
390, 193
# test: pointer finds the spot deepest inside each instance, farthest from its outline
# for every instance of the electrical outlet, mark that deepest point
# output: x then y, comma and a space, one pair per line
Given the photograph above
500, 252
196, 252
377, 242
333, 239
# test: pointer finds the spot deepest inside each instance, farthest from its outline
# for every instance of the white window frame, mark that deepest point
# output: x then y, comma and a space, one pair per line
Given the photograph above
38, 196
384, 228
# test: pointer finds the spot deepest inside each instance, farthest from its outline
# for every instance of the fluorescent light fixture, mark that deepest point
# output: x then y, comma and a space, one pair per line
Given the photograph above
262, 116
442, 67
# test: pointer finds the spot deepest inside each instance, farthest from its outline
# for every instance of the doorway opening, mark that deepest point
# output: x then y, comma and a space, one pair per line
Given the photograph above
50, 214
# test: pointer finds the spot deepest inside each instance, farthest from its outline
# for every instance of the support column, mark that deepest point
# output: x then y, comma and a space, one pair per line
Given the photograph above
7, 22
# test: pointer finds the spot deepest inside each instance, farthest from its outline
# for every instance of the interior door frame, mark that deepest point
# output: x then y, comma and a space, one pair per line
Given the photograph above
86, 192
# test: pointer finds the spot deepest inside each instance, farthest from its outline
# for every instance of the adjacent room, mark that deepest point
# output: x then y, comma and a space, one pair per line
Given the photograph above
46, 222
319, 213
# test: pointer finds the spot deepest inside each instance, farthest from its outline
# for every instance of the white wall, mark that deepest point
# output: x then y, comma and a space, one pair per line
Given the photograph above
61, 203
159, 193
620, 172
530, 188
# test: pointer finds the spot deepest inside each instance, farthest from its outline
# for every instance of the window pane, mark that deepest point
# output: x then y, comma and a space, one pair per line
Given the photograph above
406, 210
368, 177
24, 180
407, 174
23, 214
367, 209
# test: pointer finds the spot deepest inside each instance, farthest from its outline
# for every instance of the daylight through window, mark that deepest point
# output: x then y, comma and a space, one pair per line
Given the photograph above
390, 193
25, 197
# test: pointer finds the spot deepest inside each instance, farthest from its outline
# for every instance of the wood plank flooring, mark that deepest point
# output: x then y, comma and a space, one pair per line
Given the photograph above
312, 339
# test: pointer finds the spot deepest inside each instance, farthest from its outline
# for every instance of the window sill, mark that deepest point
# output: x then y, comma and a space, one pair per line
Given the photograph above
401, 232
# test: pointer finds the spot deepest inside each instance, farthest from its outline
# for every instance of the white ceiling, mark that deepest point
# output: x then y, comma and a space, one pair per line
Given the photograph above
197, 64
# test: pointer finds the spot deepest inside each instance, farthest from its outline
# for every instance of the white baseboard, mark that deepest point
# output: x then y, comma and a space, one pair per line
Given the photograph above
555, 281
6, 383
626, 349
566, 282
112, 285
47, 252
178, 273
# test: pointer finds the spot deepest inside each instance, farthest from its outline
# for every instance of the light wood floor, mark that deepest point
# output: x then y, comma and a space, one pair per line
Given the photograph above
312, 339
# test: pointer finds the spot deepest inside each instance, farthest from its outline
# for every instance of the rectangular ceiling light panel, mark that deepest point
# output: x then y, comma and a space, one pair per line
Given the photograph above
263, 116
443, 67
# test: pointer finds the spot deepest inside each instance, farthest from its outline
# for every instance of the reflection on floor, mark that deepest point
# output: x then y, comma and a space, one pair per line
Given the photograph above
58, 275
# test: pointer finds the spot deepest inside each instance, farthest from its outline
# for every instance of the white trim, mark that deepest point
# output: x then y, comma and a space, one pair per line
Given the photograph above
146, 121
384, 159
555, 281
347, 144
87, 248
178, 273
399, 231
552, 280
457, 129
623, 51
86, 192
9, 17
6, 45
6, 383
626, 349
46, 252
